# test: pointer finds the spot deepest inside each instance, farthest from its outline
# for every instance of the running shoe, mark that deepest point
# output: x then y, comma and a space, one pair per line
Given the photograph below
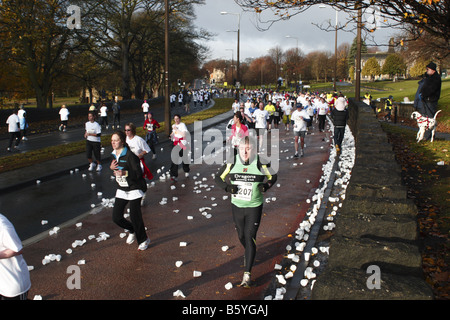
131, 238
338, 150
186, 174
92, 166
245, 280
99, 168
144, 245
173, 178
296, 155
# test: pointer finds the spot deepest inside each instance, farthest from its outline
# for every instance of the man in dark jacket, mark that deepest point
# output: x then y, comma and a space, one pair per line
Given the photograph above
429, 91
339, 116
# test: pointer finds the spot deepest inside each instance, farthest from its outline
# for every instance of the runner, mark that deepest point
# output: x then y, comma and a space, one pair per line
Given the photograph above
22, 114
116, 112
13, 123
92, 134
270, 108
140, 148
287, 111
322, 111
104, 116
339, 116
277, 114
300, 118
150, 125
145, 107
178, 136
14, 274
246, 175
260, 116
64, 116
238, 131
131, 189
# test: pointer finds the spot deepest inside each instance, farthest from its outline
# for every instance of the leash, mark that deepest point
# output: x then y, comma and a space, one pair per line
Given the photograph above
427, 121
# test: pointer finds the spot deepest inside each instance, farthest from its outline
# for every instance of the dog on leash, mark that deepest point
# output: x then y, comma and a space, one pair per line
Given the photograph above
424, 123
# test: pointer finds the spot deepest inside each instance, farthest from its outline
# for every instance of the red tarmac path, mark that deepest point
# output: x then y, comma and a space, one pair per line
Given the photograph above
115, 270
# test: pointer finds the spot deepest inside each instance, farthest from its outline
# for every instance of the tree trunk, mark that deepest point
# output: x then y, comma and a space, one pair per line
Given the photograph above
126, 92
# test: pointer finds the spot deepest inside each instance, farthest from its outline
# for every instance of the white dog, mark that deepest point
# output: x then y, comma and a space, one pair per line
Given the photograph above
424, 123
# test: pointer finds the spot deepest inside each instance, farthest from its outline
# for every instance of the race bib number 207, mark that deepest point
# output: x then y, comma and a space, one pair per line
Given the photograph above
245, 190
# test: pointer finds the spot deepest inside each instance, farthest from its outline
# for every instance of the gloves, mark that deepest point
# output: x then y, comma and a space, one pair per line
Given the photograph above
231, 189
263, 187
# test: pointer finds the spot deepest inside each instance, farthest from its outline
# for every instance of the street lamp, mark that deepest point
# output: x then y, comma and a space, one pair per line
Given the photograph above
335, 46
238, 40
232, 59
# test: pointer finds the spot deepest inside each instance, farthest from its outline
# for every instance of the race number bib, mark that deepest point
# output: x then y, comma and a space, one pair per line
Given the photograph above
245, 190
122, 181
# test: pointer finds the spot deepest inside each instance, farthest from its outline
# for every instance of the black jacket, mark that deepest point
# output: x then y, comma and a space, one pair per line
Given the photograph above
130, 162
339, 117
431, 89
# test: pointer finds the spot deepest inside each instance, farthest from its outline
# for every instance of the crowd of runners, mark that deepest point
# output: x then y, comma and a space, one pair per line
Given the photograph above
246, 178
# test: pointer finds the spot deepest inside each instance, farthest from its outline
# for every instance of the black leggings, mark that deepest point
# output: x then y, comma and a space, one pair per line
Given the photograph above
136, 225
247, 222
339, 135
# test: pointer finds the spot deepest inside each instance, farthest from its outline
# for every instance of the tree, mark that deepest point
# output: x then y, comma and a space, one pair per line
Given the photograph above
353, 48
418, 68
115, 34
342, 61
34, 35
430, 16
371, 68
277, 55
394, 65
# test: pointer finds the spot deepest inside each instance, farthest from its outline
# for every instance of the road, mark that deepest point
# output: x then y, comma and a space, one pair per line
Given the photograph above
113, 270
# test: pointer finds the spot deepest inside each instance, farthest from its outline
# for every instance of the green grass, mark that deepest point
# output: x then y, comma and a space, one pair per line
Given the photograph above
17, 161
420, 160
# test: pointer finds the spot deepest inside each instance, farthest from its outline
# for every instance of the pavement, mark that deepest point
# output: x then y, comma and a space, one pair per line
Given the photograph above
109, 269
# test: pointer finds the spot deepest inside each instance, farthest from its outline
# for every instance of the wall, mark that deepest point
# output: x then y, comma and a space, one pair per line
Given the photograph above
377, 225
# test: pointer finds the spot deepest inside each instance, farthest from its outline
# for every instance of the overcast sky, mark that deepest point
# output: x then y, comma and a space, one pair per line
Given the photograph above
256, 43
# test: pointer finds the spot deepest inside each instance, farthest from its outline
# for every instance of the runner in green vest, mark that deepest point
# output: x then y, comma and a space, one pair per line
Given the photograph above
248, 179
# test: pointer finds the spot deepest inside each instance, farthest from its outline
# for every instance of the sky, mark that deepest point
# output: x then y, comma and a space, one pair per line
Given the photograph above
255, 43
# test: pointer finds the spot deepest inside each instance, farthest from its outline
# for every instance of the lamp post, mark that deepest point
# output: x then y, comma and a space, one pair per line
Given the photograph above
238, 41
335, 46
232, 66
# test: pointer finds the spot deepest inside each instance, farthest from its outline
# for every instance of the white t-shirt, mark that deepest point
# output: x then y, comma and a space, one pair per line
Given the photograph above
13, 123
137, 145
260, 117
93, 128
21, 114
178, 129
103, 111
14, 274
287, 108
322, 109
145, 107
64, 114
299, 118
